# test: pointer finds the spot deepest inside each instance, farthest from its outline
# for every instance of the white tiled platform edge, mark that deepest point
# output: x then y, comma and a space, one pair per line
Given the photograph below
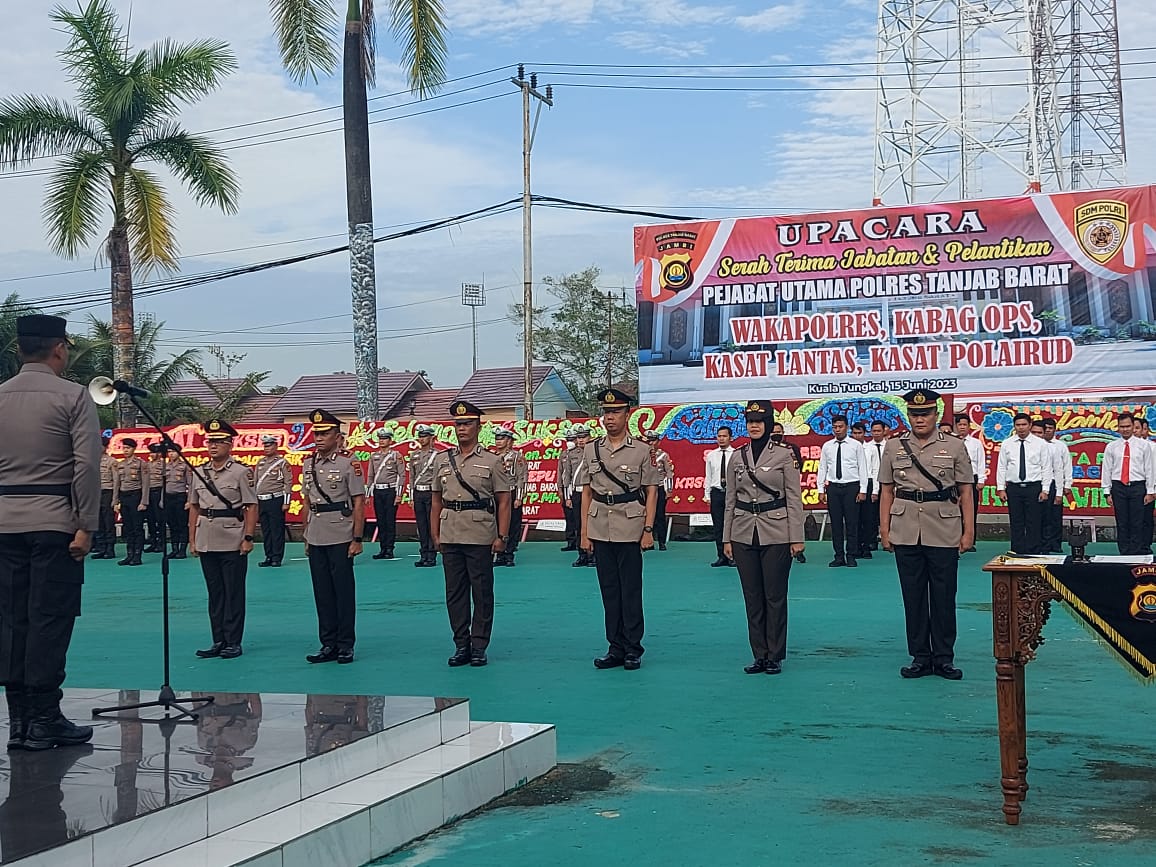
354, 823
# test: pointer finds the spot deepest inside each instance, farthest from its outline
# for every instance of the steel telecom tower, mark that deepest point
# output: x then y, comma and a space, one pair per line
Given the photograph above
995, 97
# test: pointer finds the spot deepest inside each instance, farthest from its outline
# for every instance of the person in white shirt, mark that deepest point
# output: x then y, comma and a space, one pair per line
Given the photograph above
1128, 479
1053, 530
715, 489
978, 456
1023, 476
869, 508
842, 483
1143, 433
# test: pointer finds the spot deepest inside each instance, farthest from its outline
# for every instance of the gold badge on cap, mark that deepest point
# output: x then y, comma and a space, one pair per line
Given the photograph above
608, 397
756, 407
317, 416
460, 409
214, 425
920, 398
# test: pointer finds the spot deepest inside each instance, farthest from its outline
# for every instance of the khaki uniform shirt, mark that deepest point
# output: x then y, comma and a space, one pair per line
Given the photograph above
482, 471
518, 471
631, 463
135, 476
934, 524
49, 435
339, 475
232, 480
156, 473
665, 469
272, 475
110, 474
386, 470
565, 473
176, 477
777, 469
226, 730
421, 469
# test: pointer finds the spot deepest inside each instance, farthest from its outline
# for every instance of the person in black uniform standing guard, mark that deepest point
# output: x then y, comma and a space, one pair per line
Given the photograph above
49, 509
762, 533
619, 485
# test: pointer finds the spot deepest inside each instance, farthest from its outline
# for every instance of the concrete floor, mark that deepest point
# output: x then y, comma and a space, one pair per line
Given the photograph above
836, 761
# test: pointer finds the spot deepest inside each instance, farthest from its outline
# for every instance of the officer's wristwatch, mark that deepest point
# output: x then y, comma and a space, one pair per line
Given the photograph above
504, 538
648, 529
248, 538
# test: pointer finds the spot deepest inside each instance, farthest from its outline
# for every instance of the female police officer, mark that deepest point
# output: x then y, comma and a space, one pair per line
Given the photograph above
762, 531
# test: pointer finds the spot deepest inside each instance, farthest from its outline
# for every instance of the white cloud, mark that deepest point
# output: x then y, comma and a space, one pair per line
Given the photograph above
659, 44
778, 17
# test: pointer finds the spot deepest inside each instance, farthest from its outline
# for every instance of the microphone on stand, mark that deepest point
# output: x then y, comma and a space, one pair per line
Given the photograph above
104, 390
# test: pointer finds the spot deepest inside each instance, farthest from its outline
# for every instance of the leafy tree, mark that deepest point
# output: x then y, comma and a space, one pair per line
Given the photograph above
10, 310
585, 335
229, 399
124, 121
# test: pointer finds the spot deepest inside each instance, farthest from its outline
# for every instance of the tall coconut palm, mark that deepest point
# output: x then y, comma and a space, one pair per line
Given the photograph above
123, 123
307, 33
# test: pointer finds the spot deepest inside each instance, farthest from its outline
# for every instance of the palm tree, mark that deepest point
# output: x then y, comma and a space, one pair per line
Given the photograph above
123, 122
307, 34
11, 309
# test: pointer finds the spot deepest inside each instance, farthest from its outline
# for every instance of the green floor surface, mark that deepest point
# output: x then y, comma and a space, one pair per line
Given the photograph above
836, 761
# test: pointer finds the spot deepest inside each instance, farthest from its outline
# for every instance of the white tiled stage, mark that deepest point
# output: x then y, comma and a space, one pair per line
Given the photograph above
264, 780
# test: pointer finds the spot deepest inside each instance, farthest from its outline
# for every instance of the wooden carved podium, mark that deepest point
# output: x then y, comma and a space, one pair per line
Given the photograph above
1021, 600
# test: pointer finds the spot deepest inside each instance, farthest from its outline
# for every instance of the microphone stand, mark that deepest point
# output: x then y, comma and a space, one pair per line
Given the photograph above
185, 708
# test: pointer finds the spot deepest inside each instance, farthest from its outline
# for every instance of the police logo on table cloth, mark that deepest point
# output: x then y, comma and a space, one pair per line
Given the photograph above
1101, 227
1143, 605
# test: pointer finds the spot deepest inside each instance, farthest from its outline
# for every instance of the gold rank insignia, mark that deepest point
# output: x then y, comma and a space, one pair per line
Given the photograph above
609, 397
214, 425
755, 407
460, 409
919, 398
317, 416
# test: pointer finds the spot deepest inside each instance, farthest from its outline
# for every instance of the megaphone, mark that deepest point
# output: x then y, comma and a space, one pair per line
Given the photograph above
101, 391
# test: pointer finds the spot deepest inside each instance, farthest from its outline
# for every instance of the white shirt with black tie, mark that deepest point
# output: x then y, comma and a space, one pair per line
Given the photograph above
853, 464
1039, 466
716, 462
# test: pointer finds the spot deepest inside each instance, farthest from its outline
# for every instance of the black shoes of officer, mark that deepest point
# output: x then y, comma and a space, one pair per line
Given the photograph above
949, 672
231, 651
865, 554
632, 663
478, 658
721, 561
180, 551
461, 657
916, 669
131, 558
774, 666
17, 718
608, 661
757, 667
851, 562
383, 555
569, 548
582, 560
47, 727
264, 563
661, 546
212, 652
344, 657
153, 548
424, 562
838, 561
325, 654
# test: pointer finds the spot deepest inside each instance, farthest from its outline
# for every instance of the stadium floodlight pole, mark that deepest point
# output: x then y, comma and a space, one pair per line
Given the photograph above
529, 89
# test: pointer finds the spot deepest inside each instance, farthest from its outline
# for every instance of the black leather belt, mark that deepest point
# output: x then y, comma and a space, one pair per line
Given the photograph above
32, 490
222, 513
468, 505
925, 496
615, 499
319, 508
759, 508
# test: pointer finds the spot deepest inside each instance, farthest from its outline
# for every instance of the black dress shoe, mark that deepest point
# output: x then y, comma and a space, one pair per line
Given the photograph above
632, 663
48, 731
582, 560
389, 554
380, 555
865, 555
604, 662
264, 563
949, 672
212, 652
568, 548
478, 658
276, 564
721, 561
774, 666
344, 657
756, 667
838, 561
661, 546
422, 563
461, 657
916, 669
231, 651
325, 654
851, 562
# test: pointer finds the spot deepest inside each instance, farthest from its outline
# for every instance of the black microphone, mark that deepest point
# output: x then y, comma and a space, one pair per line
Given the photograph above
130, 389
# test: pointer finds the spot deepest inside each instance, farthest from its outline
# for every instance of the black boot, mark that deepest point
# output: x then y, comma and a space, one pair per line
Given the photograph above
180, 551
135, 557
128, 556
17, 719
48, 727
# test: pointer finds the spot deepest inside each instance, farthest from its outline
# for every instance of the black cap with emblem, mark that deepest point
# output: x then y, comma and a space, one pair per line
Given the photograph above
217, 429
324, 421
758, 410
612, 398
463, 410
921, 401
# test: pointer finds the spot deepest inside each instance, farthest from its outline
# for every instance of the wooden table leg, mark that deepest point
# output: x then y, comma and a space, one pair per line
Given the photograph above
1010, 745
1021, 729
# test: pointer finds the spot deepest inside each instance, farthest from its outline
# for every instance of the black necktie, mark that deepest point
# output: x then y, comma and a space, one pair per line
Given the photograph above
723, 471
838, 460
1023, 461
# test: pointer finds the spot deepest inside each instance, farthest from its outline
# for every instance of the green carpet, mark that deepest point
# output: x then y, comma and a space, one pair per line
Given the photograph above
836, 761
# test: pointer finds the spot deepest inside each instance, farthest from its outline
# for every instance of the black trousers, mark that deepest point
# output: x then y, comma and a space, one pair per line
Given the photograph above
224, 573
385, 512
271, 513
868, 535
422, 509
1128, 504
718, 508
928, 578
177, 518
573, 523
331, 568
843, 509
515, 530
106, 527
154, 515
1026, 515
660, 516
619, 566
469, 574
40, 587
763, 573
1052, 523
132, 519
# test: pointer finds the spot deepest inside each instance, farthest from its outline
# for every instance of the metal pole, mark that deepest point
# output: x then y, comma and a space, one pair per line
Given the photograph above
527, 265
609, 340
474, 319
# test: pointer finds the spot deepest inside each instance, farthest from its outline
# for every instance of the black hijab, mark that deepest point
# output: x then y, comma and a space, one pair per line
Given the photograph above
757, 445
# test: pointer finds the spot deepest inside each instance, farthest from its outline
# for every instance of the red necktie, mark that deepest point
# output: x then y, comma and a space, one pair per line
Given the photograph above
1126, 466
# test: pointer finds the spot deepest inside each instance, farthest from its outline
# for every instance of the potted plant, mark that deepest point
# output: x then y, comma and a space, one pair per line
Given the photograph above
1051, 320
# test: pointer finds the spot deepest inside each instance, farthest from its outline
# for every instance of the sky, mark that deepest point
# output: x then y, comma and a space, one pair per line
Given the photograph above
779, 144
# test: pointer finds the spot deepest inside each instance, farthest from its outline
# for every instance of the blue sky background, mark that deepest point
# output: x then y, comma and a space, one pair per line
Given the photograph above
796, 145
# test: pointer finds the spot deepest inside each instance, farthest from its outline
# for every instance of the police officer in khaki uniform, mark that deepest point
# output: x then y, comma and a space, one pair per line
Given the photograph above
386, 476
471, 523
105, 545
518, 471
762, 533
155, 513
665, 466
49, 509
333, 485
577, 469
176, 503
134, 486
226, 730
925, 480
333, 721
619, 496
421, 477
222, 517
566, 492
273, 485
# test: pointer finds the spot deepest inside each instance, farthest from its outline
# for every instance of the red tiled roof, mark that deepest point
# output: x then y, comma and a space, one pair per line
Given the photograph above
496, 387
201, 393
428, 405
337, 392
261, 409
